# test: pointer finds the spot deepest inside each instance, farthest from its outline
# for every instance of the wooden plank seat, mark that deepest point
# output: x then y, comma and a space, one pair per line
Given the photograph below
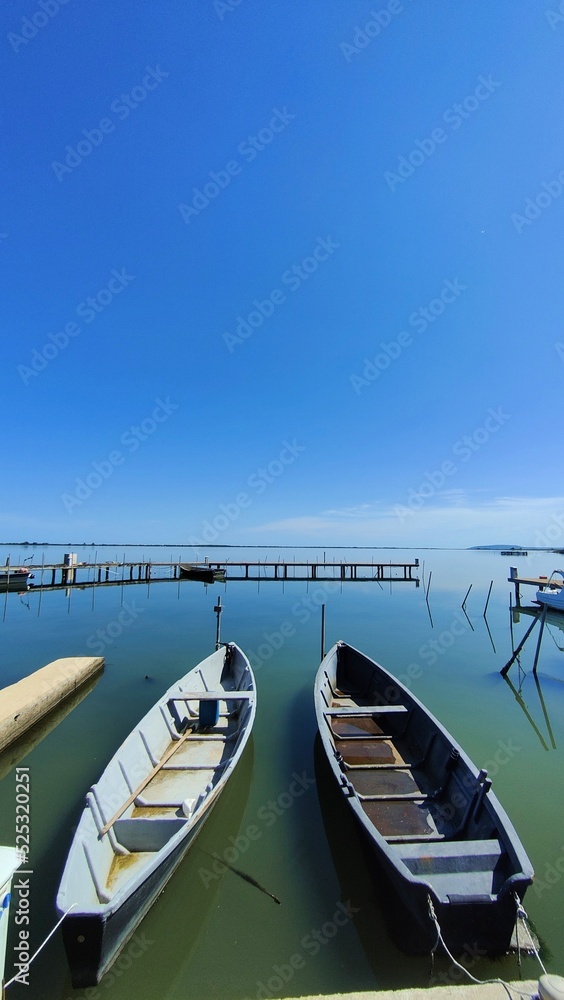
361, 736
471, 855
345, 710
213, 696
408, 838
407, 797
457, 870
383, 767
137, 834
208, 711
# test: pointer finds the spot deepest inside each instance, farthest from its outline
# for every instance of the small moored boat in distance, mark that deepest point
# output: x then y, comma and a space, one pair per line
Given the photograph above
440, 837
552, 592
195, 571
149, 805
14, 577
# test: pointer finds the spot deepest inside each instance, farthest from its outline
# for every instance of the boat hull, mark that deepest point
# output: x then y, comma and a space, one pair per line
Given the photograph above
201, 573
552, 599
479, 929
104, 935
17, 580
552, 593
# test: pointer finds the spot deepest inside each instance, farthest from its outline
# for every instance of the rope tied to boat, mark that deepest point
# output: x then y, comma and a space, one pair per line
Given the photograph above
41, 946
481, 982
522, 913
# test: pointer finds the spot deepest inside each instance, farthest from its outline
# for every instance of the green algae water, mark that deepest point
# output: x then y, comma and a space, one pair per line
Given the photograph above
211, 933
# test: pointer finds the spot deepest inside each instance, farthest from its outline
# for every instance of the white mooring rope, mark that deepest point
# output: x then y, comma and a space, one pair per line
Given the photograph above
483, 982
41, 946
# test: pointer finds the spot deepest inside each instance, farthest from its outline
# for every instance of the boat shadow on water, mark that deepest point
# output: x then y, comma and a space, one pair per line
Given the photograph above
381, 921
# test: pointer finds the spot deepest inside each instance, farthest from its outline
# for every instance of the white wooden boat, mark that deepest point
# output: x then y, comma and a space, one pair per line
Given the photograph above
10, 861
552, 592
149, 805
427, 814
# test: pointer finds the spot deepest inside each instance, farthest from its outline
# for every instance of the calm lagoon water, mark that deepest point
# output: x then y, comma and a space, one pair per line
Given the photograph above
217, 936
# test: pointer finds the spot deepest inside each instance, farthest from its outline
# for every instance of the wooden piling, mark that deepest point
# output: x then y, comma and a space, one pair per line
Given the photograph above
488, 598
537, 651
504, 669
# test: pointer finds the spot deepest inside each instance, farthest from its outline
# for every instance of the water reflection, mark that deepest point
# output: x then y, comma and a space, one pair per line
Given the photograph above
21, 747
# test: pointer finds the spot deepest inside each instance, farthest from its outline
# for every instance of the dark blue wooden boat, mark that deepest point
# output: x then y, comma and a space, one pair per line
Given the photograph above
439, 834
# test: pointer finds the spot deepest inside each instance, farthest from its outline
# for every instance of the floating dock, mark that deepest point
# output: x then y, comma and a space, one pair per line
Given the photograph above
72, 573
26, 702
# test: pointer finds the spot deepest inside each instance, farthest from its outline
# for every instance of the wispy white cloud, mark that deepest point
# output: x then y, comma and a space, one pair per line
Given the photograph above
450, 520
361, 510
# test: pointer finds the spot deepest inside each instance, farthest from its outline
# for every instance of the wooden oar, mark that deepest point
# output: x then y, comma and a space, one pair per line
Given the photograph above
171, 750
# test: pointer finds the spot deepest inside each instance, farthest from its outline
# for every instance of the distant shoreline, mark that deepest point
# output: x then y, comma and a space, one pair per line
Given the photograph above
274, 545
214, 545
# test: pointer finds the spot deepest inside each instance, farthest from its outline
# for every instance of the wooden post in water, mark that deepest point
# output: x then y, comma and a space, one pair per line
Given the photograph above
322, 631
488, 598
466, 598
513, 576
504, 669
218, 609
543, 620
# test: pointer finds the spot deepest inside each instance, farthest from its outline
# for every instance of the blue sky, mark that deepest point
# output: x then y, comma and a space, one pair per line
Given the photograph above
282, 273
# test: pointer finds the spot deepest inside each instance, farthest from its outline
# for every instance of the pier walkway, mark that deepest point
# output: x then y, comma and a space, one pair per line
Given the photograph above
72, 573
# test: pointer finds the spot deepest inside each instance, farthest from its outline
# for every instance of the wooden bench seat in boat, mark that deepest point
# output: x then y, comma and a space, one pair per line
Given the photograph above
213, 696
458, 870
208, 713
141, 834
345, 710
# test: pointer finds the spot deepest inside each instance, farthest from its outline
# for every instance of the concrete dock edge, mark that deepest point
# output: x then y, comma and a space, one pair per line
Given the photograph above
27, 701
524, 989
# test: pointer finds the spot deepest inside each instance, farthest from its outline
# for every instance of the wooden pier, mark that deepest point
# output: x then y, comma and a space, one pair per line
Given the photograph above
525, 581
82, 574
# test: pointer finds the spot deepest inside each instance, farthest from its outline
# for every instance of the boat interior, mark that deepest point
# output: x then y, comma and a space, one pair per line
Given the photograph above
413, 785
162, 779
